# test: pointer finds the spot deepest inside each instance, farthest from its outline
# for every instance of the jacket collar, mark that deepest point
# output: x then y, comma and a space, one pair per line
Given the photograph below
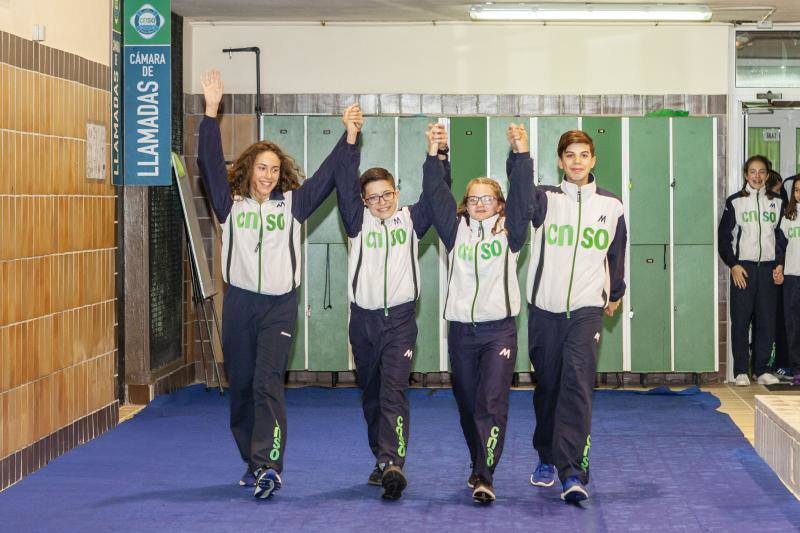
487, 225
571, 190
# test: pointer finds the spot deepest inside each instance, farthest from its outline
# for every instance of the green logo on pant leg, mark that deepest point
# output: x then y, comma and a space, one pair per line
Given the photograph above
275, 454
585, 460
771, 361
491, 443
401, 442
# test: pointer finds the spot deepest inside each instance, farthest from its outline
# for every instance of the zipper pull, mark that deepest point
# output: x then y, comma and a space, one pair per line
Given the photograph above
258, 246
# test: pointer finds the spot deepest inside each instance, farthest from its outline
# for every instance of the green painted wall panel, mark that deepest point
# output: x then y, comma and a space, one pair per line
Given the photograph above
325, 225
499, 148
426, 353
468, 138
649, 181
694, 271
328, 335
695, 215
549, 131
607, 135
649, 299
377, 143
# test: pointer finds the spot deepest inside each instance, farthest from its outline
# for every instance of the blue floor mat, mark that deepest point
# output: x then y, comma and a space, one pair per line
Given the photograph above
660, 462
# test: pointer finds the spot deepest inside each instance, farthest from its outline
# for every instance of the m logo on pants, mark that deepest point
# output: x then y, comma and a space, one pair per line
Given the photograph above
505, 352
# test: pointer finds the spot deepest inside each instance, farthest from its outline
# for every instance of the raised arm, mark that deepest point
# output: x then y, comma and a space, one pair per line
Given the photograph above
436, 191
348, 189
421, 212
310, 195
520, 204
210, 157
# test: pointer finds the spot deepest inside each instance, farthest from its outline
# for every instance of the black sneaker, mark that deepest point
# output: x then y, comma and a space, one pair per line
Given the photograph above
483, 492
248, 479
394, 482
376, 476
268, 482
473, 480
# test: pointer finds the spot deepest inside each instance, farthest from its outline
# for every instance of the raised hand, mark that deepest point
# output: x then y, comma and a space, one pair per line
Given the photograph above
437, 138
353, 121
213, 89
518, 138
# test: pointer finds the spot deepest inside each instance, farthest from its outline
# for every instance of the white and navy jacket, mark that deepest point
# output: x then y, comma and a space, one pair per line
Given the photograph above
787, 246
261, 241
482, 283
578, 245
383, 260
748, 228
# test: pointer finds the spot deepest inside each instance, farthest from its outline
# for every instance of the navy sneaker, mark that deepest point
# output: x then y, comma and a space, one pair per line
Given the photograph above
268, 482
473, 480
376, 476
574, 491
544, 475
248, 479
393, 481
784, 374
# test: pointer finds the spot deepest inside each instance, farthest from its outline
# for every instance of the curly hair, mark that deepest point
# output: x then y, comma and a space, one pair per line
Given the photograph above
764, 161
241, 172
496, 191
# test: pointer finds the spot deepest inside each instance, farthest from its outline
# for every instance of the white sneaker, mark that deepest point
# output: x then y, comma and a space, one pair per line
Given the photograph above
767, 379
742, 380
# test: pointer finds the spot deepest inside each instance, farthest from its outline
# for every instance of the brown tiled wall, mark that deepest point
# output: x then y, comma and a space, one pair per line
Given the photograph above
238, 128
57, 254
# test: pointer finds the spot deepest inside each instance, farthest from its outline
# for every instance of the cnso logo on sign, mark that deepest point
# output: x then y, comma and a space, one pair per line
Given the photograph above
147, 21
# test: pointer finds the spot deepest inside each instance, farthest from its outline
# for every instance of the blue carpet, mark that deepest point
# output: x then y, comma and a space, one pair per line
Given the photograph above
660, 462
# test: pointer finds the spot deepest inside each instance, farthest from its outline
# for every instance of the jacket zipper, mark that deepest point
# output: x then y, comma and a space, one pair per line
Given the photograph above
258, 246
758, 207
477, 278
385, 269
574, 252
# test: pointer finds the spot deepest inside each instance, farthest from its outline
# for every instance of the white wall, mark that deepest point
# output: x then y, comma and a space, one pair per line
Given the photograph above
80, 27
466, 58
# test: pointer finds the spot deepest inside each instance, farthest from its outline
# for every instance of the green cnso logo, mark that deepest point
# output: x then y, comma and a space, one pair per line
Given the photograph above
396, 236
491, 443
585, 460
275, 453
752, 216
565, 236
401, 442
794, 232
249, 220
486, 250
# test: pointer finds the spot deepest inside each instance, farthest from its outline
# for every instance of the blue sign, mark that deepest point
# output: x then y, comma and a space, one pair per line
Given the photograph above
147, 115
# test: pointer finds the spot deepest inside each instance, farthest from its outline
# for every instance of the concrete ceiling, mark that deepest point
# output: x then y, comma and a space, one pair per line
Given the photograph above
424, 10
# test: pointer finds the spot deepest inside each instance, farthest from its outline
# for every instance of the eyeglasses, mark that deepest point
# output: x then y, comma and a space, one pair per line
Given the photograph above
387, 196
487, 199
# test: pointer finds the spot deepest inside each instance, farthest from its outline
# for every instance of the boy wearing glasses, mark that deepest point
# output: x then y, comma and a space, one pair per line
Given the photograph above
383, 288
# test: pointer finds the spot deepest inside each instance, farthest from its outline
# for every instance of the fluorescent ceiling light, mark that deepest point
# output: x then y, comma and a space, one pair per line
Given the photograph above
592, 12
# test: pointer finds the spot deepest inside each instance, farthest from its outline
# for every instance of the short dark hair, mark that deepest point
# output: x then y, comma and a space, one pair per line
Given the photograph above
375, 174
573, 137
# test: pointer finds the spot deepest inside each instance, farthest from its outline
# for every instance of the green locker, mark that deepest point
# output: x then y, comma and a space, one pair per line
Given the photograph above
412, 147
467, 152
649, 301
694, 271
426, 352
328, 307
499, 148
377, 143
695, 214
549, 131
523, 361
649, 181
325, 225
607, 135
288, 132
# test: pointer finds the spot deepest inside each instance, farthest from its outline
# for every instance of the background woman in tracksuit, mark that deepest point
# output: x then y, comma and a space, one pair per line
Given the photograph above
260, 205
383, 288
483, 241
577, 270
746, 236
787, 272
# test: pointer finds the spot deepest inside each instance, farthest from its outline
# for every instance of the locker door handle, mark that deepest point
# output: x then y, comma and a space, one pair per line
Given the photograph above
665, 257
630, 314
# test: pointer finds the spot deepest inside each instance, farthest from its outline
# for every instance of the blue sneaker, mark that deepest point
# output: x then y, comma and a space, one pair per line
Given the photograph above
544, 475
574, 491
268, 482
248, 479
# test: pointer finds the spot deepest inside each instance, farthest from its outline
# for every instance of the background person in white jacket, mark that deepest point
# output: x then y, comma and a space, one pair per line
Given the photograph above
577, 270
